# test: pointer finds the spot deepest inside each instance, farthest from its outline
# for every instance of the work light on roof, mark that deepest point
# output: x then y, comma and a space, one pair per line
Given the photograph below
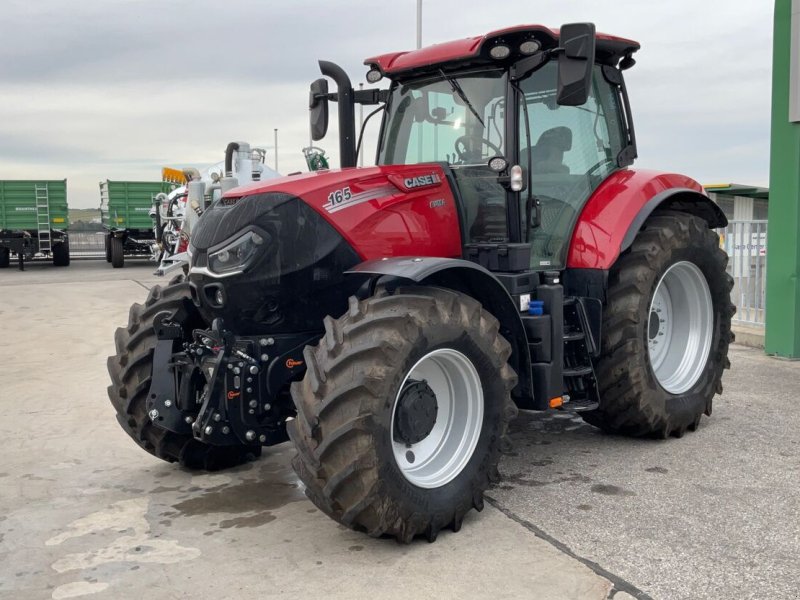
529, 47
500, 52
374, 75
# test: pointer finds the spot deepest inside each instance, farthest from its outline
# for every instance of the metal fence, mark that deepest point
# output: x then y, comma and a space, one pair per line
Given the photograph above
87, 244
746, 245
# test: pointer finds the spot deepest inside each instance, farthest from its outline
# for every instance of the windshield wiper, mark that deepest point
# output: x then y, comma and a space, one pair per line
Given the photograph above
457, 89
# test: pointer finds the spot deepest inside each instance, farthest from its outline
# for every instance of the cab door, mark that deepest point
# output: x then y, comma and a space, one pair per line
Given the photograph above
571, 150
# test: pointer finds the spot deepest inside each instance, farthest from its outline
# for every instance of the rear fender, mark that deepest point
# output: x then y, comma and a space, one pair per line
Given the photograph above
615, 213
475, 281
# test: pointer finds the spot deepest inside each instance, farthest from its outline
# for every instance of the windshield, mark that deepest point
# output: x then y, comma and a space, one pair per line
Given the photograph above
458, 119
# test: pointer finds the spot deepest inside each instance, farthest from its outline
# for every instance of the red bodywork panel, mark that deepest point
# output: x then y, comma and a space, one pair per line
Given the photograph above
609, 212
389, 211
469, 48
409, 210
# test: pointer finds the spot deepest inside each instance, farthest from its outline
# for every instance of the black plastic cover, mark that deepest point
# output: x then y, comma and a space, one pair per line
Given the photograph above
296, 280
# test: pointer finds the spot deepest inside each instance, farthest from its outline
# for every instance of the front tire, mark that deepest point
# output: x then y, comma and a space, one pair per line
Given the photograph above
368, 389
666, 330
5, 257
131, 370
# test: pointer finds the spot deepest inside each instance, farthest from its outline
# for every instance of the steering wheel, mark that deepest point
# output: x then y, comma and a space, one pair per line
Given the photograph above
462, 149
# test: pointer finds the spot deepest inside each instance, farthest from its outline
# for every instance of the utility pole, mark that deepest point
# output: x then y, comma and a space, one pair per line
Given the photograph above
783, 285
419, 24
276, 149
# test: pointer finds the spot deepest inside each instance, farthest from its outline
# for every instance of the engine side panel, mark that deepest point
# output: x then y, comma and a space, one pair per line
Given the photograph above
608, 214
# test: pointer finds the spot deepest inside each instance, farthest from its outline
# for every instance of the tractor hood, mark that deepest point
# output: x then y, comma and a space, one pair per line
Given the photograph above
272, 256
394, 210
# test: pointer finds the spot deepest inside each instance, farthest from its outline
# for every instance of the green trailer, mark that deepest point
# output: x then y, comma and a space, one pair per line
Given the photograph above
34, 219
126, 210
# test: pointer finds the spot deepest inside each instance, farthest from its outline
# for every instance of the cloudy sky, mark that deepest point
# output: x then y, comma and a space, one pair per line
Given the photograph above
116, 89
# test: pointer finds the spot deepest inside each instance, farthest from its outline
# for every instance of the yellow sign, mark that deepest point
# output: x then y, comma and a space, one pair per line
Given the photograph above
58, 220
171, 175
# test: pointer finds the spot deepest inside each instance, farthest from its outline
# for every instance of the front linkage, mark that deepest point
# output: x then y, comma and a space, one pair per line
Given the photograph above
223, 389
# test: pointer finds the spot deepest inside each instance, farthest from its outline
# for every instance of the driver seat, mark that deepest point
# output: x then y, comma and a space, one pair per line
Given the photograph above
548, 153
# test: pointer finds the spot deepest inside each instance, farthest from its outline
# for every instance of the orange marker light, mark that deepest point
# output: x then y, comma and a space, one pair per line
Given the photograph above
556, 402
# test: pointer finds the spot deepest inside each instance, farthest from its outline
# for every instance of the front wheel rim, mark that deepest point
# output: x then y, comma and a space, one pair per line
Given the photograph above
680, 327
439, 458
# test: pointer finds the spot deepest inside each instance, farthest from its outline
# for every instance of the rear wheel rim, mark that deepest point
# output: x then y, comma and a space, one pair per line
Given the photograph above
679, 327
445, 451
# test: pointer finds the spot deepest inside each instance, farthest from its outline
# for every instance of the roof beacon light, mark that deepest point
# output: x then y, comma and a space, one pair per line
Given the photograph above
529, 47
374, 75
500, 52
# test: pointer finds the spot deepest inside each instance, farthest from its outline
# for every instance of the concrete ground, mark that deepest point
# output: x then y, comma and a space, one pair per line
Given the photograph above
86, 513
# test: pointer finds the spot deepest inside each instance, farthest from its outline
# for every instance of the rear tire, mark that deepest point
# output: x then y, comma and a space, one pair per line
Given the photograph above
639, 396
61, 254
345, 432
5, 257
117, 248
131, 369
107, 240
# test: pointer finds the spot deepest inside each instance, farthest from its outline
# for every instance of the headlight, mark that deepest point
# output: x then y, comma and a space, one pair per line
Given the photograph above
237, 255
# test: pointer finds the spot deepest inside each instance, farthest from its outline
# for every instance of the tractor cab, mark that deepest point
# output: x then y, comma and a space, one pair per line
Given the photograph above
526, 122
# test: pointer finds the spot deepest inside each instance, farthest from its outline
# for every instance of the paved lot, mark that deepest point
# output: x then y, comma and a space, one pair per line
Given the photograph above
85, 513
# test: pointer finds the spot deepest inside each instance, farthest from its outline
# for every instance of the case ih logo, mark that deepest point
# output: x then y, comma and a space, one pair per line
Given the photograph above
421, 181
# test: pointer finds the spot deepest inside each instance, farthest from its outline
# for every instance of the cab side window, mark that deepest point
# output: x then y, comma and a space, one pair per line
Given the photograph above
571, 150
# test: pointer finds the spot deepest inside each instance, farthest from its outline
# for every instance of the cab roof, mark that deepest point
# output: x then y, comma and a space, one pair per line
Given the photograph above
475, 50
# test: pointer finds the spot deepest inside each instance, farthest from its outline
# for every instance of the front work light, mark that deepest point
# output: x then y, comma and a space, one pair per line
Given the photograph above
529, 47
500, 52
374, 75
237, 255
498, 164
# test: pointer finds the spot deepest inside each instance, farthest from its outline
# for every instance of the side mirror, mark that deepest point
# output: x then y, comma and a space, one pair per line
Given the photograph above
575, 63
318, 106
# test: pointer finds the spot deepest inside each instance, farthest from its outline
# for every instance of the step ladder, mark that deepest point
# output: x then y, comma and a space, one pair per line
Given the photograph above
579, 377
43, 218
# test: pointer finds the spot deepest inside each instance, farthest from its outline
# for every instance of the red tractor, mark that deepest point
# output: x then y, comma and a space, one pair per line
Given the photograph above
390, 320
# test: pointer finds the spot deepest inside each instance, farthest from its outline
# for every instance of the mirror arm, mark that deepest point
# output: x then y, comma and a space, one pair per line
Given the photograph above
373, 96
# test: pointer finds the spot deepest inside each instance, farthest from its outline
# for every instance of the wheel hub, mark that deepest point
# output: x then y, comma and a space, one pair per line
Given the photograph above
437, 418
653, 326
416, 412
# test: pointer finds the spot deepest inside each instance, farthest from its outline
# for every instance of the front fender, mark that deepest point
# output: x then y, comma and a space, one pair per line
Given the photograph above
475, 281
616, 211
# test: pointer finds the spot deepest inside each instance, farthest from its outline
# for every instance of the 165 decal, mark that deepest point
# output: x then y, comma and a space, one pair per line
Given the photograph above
336, 197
